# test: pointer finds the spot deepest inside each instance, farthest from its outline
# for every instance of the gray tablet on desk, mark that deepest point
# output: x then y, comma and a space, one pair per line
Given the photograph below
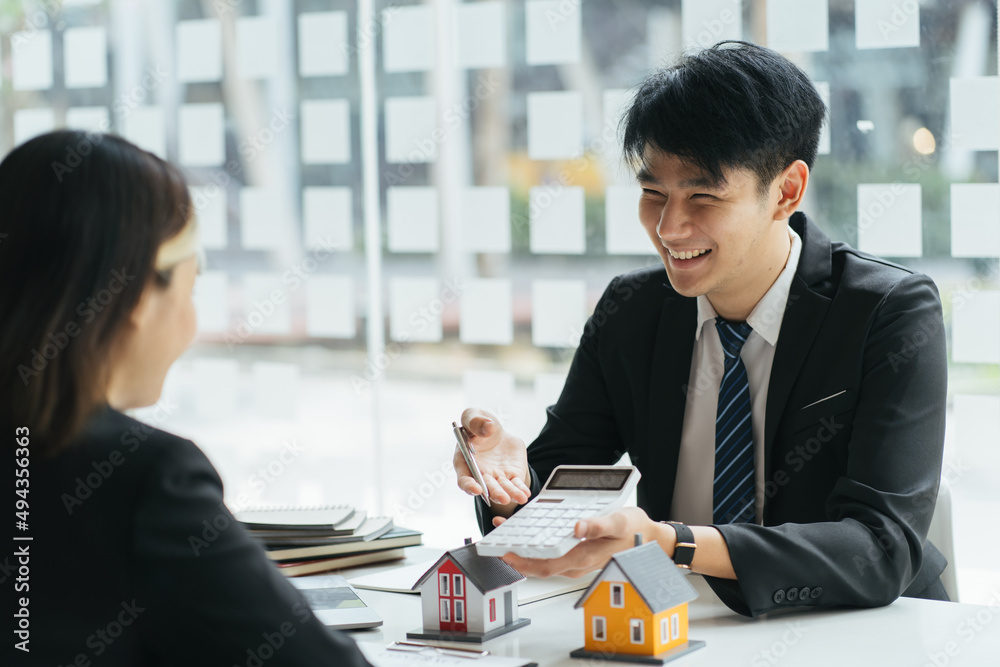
335, 602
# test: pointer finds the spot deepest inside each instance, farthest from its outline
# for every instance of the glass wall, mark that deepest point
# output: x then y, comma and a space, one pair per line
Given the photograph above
410, 208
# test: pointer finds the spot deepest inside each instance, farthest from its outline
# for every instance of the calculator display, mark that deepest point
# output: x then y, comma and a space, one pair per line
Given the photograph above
588, 480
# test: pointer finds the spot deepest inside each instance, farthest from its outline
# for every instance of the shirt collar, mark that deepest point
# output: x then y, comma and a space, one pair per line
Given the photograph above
765, 319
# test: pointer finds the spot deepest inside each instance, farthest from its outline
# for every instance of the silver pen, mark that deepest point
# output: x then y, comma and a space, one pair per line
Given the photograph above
470, 459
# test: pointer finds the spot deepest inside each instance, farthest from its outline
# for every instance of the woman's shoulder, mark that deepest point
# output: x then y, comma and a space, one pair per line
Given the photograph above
112, 440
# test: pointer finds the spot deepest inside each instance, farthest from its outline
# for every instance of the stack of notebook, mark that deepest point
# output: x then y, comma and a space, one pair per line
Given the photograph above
305, 540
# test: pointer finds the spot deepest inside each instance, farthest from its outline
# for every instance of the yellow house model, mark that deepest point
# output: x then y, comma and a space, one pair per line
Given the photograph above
636, 609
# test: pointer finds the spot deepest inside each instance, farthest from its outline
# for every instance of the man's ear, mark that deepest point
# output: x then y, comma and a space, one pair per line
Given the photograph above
792, 183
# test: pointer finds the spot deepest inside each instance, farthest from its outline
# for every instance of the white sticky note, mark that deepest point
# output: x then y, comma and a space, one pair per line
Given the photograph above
663, 36
323, 44
975, 220
410, 129
408, 38
328, 218
823, 88
976, 419
552, 32
975, 327
199, 51
276, 389
145, 127
480, 34
412, 216
486, 316
261, 224
557, 220
216, 386
555, 125
490, 390
548, 388
326, 132
484, 219
615, 104
624, 234
201, 131
31, 56
707, 22
882, 24
558, 312
267, 305
85, 52
330, 307
975, 107
30, 123
798, 25
213, 221
90, 119
415, 307
211, 301
889, 219
256, 47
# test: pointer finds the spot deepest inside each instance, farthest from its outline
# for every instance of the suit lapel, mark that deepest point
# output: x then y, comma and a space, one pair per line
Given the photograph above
804, 315
669, 374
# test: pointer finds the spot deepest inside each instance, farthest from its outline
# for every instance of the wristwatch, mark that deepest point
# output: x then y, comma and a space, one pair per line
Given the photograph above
685, 546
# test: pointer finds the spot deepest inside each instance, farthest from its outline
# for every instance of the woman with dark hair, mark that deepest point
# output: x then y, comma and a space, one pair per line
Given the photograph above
133, 556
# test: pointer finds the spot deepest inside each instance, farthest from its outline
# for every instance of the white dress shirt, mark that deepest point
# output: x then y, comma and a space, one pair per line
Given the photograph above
692, 502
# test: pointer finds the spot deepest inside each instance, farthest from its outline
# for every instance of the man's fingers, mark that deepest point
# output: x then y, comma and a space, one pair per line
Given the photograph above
514, 492
497, 520
469, 485
497, 494
480, 423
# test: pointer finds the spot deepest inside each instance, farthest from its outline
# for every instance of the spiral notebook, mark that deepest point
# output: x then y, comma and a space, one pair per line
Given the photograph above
326, 518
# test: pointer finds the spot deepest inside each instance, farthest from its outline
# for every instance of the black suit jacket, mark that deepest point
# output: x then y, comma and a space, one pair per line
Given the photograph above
851, 481
136, 561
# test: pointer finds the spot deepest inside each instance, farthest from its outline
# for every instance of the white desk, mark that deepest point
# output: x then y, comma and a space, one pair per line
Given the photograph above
907, 633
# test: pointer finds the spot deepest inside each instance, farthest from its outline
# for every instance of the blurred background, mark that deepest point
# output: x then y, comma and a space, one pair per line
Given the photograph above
410, 208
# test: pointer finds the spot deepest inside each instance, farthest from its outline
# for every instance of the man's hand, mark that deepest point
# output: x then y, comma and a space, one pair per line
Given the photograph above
602, 537
502, 459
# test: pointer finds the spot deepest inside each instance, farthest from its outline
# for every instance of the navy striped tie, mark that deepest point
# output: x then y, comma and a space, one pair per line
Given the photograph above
733, 492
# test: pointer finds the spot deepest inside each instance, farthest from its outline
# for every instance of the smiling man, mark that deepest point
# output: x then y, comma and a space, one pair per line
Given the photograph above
756, 380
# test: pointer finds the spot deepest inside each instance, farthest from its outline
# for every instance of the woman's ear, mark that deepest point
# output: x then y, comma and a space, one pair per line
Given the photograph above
144, 312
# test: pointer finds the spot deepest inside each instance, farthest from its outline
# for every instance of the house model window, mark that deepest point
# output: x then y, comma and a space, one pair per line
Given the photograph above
636, 631
459, 611
617, 596
458, 586
599, 628
443, 584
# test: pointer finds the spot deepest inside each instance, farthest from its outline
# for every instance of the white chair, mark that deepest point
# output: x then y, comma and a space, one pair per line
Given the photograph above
940, 533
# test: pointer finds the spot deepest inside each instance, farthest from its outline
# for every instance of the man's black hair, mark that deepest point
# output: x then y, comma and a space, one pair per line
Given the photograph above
734, 105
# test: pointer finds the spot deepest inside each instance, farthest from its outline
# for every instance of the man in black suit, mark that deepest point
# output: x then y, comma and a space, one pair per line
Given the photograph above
783, 394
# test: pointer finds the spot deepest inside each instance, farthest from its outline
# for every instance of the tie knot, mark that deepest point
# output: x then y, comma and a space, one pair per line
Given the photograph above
732, 335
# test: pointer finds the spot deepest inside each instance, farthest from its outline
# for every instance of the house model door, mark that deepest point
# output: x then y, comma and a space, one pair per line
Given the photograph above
453, 612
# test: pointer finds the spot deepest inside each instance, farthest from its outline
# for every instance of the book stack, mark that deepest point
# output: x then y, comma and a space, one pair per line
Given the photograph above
306, 540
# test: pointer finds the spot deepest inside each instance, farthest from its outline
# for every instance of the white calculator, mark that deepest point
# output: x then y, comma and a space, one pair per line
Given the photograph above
544, 527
